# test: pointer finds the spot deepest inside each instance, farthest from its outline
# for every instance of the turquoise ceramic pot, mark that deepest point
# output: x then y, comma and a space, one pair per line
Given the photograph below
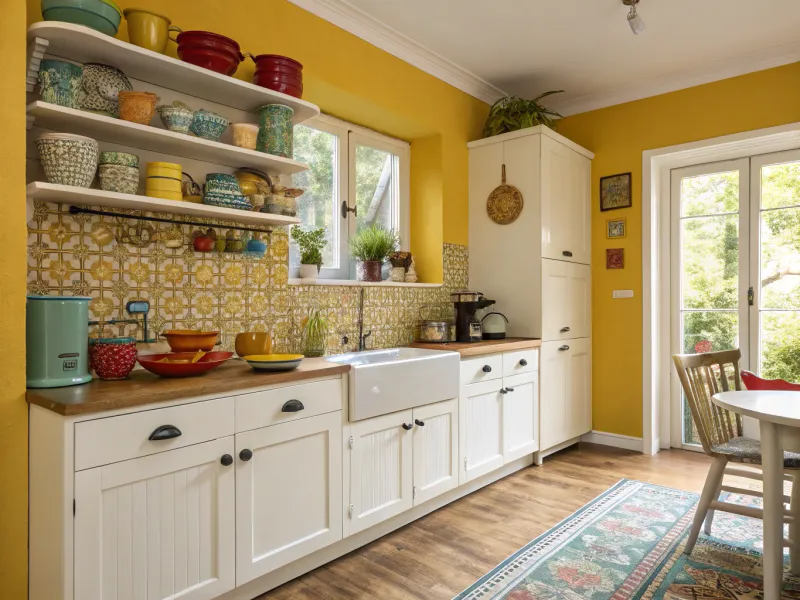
208, 125
275, 132
60, 83
92, 13
176, 118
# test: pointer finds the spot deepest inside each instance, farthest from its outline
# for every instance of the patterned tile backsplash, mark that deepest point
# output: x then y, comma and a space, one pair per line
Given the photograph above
76, 255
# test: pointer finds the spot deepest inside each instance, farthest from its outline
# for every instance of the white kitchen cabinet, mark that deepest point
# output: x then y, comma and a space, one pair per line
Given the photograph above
566, 396
520, 416
566, 300
157, 527
381, 469
480, 414
435, 449
288, 493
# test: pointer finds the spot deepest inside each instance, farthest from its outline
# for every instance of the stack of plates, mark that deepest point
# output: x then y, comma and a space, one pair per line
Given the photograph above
274, 362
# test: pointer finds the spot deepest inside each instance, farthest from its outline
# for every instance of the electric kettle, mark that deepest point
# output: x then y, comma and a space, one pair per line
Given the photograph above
493, 326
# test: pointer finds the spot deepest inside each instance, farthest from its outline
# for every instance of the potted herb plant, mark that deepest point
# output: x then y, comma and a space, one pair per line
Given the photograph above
371, 247
512, 113
311, 244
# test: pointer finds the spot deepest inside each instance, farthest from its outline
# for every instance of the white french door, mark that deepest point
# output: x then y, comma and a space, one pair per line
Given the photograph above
735, 268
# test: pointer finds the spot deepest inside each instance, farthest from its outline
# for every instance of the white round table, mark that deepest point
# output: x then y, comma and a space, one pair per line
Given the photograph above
778, 415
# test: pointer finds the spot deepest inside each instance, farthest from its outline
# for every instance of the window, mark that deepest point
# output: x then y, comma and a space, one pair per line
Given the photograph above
356, 178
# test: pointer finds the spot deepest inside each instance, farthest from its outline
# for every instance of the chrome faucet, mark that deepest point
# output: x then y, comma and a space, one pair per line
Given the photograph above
362, 337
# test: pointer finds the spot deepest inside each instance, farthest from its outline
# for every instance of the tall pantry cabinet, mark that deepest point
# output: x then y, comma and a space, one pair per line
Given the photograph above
537, 268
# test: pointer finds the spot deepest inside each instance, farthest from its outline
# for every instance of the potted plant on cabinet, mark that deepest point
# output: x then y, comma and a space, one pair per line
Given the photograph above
311, 244
512, 113
371, 247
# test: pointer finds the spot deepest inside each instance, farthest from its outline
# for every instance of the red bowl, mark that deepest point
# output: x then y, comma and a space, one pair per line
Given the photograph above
279, 73
210, 361
213, 60
209, 50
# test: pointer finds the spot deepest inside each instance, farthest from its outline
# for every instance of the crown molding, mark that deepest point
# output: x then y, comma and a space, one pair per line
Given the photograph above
355, 21
655, 86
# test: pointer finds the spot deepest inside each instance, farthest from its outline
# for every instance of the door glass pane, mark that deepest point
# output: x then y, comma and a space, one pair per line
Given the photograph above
376, 188
710, 265
779, 275
317, 207
710, 194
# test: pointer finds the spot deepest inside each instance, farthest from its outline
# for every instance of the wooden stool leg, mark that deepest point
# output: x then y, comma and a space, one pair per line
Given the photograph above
794, 526
711, 487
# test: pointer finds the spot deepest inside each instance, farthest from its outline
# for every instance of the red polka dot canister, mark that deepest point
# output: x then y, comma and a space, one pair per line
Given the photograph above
112, 358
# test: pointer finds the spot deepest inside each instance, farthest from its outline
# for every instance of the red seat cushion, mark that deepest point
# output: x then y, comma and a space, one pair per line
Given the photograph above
753, 382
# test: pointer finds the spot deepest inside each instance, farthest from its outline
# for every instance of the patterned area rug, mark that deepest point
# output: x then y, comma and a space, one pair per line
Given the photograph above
628, 544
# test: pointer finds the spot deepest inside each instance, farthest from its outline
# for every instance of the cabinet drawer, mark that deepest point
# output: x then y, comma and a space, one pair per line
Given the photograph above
522, 361
261, 409
481, 368
110, 440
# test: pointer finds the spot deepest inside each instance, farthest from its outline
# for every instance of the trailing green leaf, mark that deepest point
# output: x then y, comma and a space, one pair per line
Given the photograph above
512, 113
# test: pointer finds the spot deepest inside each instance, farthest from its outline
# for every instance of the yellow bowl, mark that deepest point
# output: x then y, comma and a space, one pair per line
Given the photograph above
162, 184
253, 343
273, 357
163, 169
164, 195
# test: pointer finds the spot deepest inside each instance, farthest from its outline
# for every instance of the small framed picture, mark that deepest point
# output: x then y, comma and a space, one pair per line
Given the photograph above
615, 258
615, 229
615, 192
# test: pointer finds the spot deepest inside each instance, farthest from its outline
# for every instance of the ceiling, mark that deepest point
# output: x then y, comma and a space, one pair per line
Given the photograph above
526, 47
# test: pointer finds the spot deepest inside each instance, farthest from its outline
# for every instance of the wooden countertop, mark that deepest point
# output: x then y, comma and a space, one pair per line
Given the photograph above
142, 387
484, 347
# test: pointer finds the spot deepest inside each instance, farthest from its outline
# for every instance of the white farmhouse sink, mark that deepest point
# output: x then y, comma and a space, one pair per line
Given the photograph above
386, 381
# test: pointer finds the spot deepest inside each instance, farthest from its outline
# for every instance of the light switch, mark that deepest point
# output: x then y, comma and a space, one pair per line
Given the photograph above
623, 294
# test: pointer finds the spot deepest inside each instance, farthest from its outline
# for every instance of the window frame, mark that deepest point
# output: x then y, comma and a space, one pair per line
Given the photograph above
349, 136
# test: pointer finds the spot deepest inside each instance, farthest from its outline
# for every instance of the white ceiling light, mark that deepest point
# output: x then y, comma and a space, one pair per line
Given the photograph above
634, 20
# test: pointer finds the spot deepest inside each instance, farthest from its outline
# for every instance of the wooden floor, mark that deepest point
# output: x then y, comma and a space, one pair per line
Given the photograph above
442, 553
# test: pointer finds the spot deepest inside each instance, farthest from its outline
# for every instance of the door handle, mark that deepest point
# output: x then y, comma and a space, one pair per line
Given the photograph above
420, 423
165, 432
565, 329
292, 406
567, 253
563, 348
407, 426
346, 209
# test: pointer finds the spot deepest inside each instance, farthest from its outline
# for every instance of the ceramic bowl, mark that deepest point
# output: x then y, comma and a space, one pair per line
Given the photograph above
101, 86
96, 14
255, 248
119, 158
137, 107
276, 133
68, 160
60, 83
163, 184
164, 169
222, 183
148, 29
253, 342
112, 358
212, 360
118, 178
227, 201
274, 362
209, 51
176, 117
245, 135
208, 125
190, 340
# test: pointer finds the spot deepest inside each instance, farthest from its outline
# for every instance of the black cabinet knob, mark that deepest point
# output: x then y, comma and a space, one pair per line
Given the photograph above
567, 253
487, 369
226, 460
420, 423
164, 432
503, 391
246, 454
407, 426
564, 329
523, 362
292, 406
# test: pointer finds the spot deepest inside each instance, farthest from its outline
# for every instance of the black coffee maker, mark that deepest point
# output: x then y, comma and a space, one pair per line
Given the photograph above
468, 327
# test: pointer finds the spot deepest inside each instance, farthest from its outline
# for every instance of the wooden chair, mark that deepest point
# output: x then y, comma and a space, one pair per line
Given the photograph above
721, 434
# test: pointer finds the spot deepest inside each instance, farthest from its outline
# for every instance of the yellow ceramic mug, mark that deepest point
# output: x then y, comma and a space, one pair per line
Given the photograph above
148, 29
254, 342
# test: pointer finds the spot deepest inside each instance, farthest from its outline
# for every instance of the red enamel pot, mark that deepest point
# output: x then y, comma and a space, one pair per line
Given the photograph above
209, 50
279, 73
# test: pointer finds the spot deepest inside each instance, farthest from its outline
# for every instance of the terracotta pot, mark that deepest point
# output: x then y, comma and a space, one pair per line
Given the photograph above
368, 270
278, 73
209, 50
137, 107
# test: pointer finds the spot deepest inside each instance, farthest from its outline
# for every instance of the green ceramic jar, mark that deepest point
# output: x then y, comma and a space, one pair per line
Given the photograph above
60, 83
275, 132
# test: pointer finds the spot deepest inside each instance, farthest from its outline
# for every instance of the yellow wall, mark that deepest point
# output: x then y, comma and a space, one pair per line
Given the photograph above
618, 135
13, 411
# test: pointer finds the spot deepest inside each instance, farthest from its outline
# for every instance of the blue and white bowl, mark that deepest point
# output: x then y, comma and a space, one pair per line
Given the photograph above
208, 125
227, 201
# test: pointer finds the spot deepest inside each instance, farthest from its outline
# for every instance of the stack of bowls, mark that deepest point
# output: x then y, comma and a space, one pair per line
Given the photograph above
279, 73
223, 190
164, 180
68, 159
209, 50
119, 172
102, 15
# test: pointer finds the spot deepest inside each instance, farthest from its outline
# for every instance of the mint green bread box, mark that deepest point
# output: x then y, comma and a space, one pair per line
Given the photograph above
57, 341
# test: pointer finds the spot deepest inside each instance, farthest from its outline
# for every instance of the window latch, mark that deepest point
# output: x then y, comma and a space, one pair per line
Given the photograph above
346, 209
751, 296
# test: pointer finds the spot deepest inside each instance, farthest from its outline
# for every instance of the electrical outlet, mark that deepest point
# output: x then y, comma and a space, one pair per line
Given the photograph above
623, 294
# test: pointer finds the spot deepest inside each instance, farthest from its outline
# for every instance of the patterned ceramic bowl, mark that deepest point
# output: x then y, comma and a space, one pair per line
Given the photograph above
112, 358
137, 107
60, 83
118, 178
101, 85
227, 201
68, 159
176, 117
119, 158
208, 125
222, 184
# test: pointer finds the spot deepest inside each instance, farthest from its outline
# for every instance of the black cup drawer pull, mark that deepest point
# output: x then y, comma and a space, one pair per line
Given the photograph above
565, 329
563, 348
165, 432
408, 426
567, 253
292, 406
420, 423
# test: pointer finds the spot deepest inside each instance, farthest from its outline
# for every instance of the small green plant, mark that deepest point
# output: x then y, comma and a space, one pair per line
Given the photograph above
373, 243
311, 243
315, 333
512, 113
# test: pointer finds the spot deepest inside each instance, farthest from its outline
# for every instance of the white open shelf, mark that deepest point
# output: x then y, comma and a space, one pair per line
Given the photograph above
66, 194
84, 45
146, 137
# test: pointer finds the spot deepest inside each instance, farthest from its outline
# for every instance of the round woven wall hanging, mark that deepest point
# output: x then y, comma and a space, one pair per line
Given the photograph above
505, 203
